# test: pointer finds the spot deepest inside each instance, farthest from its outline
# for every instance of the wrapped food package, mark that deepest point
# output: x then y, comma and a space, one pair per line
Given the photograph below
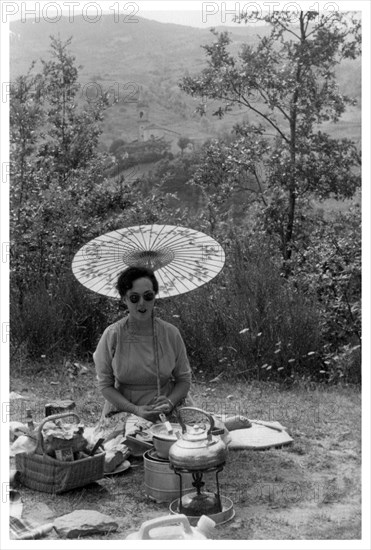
112, 460
23, 444
237, 422
116, 453
58, 437
16, 429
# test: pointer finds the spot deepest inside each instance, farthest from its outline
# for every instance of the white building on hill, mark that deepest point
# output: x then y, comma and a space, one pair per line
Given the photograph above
148, 131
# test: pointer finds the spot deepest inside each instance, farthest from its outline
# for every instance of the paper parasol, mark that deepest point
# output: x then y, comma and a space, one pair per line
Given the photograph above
183, 259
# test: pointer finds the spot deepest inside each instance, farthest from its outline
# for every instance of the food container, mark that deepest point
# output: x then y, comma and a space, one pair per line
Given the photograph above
136, 445
161, 484
163, 439
173, 527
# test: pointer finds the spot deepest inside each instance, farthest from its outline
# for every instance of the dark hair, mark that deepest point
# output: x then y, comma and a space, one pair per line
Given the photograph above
130, 275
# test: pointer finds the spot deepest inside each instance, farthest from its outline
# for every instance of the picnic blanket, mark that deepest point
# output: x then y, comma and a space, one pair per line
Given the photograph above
261, 435
21, 529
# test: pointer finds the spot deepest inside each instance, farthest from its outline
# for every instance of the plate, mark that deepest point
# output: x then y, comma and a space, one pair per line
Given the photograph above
120, 468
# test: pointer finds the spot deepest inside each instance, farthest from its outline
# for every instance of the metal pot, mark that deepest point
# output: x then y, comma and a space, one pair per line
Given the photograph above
162, 439
197, 448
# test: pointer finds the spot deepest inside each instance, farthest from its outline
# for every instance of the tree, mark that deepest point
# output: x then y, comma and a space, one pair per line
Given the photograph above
330, 269
56, 172
60, 198
287, 82
25, 116
183, 143
116, 144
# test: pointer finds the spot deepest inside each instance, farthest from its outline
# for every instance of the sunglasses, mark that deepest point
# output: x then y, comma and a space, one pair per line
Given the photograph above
147, 296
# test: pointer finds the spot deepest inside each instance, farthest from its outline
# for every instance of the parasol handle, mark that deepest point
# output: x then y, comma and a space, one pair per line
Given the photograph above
157, 363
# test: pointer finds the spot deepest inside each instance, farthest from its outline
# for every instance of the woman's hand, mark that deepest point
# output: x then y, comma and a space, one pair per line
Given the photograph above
163, 404
148, 412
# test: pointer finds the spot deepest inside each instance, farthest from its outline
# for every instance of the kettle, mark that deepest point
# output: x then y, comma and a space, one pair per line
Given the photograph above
197, 448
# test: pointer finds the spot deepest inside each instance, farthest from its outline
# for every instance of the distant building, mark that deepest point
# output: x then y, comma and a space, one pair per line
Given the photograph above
142, 118
147, 131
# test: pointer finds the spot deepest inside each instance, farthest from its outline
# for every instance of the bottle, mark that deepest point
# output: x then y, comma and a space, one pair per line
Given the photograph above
29, 420
175, 526
205, 525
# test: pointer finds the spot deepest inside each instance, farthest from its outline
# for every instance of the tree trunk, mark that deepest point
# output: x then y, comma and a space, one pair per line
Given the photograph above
289, 230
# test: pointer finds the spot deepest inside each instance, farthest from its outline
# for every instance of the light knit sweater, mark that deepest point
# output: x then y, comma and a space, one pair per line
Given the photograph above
125, 359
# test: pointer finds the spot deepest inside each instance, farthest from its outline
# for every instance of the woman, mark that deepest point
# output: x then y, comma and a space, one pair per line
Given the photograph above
125, 358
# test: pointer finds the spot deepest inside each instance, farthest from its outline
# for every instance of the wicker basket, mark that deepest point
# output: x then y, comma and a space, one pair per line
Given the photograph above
49, 475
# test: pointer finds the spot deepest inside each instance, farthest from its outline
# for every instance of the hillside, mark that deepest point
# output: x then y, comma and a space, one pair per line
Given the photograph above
150, 57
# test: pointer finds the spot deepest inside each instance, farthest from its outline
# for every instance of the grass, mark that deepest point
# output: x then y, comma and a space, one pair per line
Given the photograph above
309, 490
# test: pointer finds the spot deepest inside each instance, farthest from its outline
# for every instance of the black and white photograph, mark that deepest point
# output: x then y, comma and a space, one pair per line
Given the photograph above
185, 234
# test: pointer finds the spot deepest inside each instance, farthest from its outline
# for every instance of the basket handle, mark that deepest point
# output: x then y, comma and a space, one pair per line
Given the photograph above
39, 437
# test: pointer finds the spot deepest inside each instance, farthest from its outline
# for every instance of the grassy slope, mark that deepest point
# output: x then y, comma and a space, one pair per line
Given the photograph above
310, 490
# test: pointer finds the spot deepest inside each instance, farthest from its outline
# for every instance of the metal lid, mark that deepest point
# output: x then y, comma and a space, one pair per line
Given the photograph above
160, 431
195, 433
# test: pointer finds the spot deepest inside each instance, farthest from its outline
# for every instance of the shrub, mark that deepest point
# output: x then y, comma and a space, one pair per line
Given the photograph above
249, 321
116, 144
65, 323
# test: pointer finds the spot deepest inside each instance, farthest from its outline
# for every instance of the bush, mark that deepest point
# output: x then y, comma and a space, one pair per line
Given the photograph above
67, 323
249, 321
116, 144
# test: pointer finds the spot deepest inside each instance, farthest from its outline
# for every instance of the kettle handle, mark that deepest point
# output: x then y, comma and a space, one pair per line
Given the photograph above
164, 521
184, 427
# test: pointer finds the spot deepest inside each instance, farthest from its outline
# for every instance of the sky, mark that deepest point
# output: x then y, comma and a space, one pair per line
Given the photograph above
195, 13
